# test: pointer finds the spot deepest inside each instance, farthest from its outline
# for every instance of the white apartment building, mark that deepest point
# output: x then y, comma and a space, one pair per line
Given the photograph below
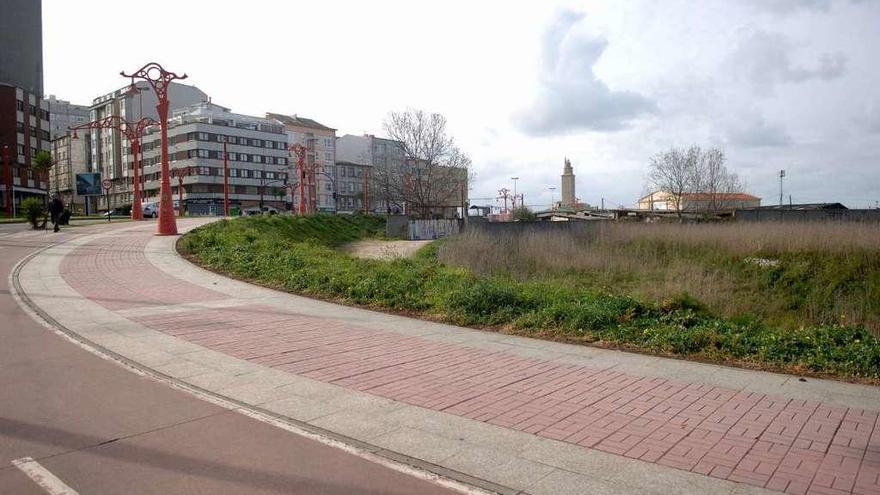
357, 156
63, 115
111, 151
320, 143
258, 159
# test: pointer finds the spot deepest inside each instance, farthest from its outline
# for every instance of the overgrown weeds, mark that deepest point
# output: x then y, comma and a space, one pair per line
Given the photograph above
786, 275
297, 254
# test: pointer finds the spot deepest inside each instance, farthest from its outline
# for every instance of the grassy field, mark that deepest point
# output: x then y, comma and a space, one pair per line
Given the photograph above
562, 289
786, 275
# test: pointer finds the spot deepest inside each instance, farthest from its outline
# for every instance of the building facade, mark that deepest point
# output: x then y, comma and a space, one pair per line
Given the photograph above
71, 157
63, 115
257, 160
698, 202
24, 119
24, 129
21, 36
370, 165
111, 151
320, 144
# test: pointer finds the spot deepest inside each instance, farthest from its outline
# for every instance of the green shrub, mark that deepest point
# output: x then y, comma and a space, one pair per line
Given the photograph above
34, 210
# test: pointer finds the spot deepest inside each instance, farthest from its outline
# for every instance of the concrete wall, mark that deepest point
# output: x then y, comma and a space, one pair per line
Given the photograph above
807, 215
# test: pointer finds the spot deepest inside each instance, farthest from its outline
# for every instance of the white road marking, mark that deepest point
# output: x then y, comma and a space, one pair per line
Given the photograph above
41, 476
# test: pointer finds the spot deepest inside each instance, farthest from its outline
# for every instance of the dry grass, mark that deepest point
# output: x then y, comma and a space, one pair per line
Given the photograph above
715, 263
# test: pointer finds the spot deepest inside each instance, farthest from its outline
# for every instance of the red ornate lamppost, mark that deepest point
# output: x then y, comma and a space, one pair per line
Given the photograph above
133, 131
159, 79
182, 173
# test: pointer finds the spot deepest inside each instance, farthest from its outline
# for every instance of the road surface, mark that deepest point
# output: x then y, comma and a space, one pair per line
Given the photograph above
99, 428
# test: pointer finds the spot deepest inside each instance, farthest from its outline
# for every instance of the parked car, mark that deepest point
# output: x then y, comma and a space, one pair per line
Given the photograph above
256, 210
151, 210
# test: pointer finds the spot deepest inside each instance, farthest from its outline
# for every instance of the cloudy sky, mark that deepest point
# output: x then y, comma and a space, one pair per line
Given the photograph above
778, 84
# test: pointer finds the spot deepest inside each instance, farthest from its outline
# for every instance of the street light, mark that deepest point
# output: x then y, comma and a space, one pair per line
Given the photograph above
133, 131
551, 189
514, 179
159, 79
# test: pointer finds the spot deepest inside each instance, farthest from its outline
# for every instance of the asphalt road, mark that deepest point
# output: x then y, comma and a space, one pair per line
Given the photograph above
102, 429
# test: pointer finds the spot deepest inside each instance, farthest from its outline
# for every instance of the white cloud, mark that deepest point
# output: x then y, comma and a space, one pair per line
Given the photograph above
570, 97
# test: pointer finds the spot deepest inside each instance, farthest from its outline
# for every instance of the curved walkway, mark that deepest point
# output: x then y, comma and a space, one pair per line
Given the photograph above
527, 415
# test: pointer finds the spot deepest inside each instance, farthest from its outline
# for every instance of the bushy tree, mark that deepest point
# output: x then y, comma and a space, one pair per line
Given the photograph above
33, 209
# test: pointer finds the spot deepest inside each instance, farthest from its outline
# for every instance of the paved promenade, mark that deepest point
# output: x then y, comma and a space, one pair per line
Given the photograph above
522, 415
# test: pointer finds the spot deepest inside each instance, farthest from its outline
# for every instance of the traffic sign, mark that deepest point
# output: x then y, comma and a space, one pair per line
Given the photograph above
106, 184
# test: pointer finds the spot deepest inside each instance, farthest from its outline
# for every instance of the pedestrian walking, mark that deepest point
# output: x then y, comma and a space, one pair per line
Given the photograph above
56, 208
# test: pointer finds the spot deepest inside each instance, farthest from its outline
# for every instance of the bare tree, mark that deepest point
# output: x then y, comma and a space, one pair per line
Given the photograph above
434, 171
701, 173
675, 172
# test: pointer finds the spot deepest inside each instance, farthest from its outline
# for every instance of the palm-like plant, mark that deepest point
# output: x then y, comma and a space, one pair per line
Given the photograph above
42, 161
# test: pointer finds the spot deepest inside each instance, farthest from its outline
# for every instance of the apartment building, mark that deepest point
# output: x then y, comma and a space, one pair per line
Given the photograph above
24, 128
24, 119
111, 151
258, 159
71, 157
63, 115
379, 159
320, 144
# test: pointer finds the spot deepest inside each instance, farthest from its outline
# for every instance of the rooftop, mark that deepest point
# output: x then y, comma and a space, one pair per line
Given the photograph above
296, 120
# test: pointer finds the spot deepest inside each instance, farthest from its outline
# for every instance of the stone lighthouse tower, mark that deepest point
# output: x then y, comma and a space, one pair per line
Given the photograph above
568, 197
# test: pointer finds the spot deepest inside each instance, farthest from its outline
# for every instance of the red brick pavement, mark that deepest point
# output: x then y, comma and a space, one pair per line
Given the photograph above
794, 446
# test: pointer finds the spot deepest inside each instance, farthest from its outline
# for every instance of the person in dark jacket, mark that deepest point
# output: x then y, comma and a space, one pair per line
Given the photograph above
56, 208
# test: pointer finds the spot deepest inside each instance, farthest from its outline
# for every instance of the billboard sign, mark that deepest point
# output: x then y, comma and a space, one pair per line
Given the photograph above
88, 184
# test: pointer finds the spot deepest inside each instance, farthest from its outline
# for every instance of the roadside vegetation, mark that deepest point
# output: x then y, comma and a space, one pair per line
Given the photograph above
562, 287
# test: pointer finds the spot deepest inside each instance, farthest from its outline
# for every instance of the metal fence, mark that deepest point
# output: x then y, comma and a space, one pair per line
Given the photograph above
432, 229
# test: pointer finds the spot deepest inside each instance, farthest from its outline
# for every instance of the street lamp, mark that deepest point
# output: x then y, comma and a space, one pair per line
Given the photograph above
552, 202
159, 79
133, 131
181, 173
514, 179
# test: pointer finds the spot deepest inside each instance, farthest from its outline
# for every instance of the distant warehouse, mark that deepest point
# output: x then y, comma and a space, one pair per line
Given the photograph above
698, 201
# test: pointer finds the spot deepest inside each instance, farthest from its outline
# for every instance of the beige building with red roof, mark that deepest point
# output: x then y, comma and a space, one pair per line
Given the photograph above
698, 201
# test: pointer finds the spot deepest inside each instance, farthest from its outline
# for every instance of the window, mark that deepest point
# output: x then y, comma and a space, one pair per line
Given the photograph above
19, 127
256, 174
256, 142
203, 153
33, 152
203, 136
233, 156
280, 145
19, 105
232, 139
221, 138
233, 172
281, 161
20, 149
270, 175
257, 159
243, 157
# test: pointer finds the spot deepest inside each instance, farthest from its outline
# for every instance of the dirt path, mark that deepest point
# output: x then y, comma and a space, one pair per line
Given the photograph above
383, 250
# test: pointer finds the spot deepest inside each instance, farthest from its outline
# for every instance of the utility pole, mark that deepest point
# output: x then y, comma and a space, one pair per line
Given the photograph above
514, 179
781, 176
225, 180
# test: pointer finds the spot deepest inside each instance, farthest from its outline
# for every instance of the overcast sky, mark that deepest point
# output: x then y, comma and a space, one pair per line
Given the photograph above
791, 84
